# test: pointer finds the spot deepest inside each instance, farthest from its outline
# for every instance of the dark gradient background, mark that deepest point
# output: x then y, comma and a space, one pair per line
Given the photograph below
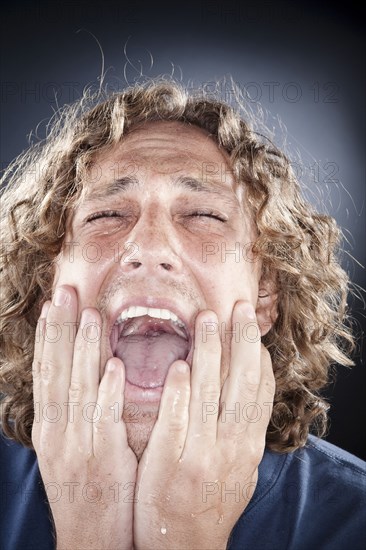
303, 62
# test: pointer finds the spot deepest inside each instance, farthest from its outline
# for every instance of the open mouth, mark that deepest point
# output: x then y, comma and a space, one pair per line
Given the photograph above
148, 340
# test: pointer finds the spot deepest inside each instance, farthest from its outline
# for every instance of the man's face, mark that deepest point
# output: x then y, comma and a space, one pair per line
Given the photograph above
160, 227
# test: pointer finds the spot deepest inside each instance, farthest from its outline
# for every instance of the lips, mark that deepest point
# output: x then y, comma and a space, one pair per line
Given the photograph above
148, 340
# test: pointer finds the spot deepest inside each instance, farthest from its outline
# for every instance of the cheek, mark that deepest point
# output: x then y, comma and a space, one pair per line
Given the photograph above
233, 254
84, 267
227, 270
224, 280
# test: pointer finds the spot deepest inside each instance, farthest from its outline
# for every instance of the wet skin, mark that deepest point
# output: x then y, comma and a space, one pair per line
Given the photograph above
174, 215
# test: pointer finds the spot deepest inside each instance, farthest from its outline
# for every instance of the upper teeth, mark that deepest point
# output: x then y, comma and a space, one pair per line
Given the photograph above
139, 311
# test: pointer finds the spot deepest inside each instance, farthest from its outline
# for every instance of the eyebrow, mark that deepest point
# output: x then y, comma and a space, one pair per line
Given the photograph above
114, 187
128, 183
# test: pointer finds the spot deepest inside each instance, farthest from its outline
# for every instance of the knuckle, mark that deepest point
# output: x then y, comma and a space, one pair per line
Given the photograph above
48, 368
102, 427
177, 424
102, 436
36, 368
250, 385
209, 392
76, 390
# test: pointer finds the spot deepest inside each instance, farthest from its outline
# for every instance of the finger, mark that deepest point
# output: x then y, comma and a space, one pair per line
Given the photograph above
36, 368
84, 381
168, 436
109, 430
205, 382
241, 387
56, 360
266, 394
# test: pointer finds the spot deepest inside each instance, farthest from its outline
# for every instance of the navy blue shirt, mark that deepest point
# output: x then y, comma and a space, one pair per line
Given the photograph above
313, 498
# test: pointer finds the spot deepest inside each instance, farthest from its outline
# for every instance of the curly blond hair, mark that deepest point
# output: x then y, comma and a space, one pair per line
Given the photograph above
295, 243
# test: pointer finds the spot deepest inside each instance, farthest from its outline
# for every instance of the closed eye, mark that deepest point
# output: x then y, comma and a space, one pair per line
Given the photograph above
213, 215
105, 214
116, 214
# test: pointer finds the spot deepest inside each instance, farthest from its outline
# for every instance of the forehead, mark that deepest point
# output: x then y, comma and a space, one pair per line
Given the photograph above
168, 149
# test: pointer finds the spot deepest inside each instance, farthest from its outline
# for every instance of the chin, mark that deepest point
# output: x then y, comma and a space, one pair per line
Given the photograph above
139, 430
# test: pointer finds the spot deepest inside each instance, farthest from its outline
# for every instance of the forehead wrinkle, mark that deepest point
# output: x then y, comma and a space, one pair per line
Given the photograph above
226, 195
112, 188
187, 183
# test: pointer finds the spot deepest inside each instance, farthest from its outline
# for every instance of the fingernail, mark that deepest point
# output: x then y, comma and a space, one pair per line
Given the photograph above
248, 310
111, 366
182, 368
87, 318
210, 317
45, 308
61, 297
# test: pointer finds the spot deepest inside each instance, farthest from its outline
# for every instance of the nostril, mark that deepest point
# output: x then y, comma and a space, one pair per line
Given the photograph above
168, 267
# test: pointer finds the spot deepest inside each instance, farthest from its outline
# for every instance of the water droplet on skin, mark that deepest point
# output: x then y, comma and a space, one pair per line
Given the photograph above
193, 515
163, 530
221, 519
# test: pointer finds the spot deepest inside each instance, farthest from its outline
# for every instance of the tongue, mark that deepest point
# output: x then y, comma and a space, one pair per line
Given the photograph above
147, 358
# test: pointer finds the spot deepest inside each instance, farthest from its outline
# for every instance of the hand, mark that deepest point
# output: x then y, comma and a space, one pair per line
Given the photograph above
87, 467
200, 467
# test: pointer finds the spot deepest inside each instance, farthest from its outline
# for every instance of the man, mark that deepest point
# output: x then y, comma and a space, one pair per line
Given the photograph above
173, 305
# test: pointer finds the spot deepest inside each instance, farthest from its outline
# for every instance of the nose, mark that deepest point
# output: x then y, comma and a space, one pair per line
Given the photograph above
152, 245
